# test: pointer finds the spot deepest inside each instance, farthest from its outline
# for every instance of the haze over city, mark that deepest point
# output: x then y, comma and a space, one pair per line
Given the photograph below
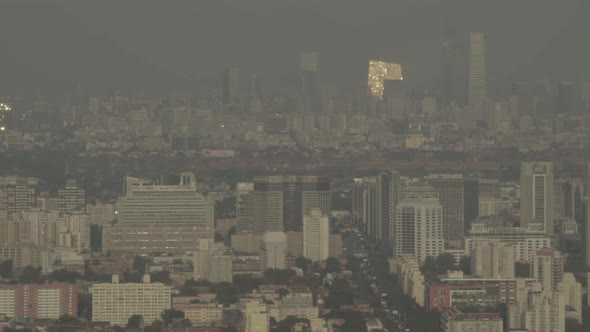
294, 166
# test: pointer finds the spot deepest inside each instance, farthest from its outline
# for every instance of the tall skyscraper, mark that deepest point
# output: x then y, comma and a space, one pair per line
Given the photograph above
470, 202
547, 268
244, 207
274, 250
316, 236
536, 194
453, 70
379, 72
280, 202
231, 85
165, 205
309, 82
388, 196
451, 192
374, 203
477, 69
17, 195
71, 198
492, 259
419, 223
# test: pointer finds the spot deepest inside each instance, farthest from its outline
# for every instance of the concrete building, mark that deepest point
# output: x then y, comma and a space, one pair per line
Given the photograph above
17, 194
248, 243
525, 240
71, 198
101, 212
221, 266
572, 297
280, 202
492, 259
231, 85
477, 69
202, 260
274, 252
165, 205
536, 195
298, 305
152, 239
206, 314
244, 208
419, 223
451, 193
115, 302
547, 268
48, 301
410, 279
374, 202
543, 311
453, 320
316, 236
257, 317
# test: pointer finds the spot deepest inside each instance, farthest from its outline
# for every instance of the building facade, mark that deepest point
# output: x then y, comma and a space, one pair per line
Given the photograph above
316, 236
39, 301
115, 302
419, 223
536, 195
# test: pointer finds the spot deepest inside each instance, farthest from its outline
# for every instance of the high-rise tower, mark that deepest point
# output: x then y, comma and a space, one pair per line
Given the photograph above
536, 194
477, 70
231, 85
419, 223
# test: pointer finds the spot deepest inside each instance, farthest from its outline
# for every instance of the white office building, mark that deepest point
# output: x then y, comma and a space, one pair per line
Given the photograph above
316, 236
419, 223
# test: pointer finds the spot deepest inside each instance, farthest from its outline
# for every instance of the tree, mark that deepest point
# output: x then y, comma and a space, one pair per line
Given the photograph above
332, 265
302, 263
134, 322
85, 306
139, 264
429, 266
170, 314
160, 276
282, 292
465, 265
186, 322
226, 293
445, 262
229, 328
6, 269
340, 294
65, 276
30, 275
155, 327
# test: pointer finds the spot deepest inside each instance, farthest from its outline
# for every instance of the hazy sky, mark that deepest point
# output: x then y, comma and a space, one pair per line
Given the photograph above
141, 43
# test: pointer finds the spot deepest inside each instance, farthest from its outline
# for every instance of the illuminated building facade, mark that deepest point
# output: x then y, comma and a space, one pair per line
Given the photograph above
379, 72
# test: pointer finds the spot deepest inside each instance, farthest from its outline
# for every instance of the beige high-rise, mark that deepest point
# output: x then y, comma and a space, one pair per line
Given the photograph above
492, 259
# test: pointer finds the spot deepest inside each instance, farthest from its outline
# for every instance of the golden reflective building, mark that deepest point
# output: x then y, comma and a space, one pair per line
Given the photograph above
379, 72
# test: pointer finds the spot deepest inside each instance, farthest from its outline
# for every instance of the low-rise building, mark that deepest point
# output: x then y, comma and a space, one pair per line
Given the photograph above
38, 301
453, 320
115, 302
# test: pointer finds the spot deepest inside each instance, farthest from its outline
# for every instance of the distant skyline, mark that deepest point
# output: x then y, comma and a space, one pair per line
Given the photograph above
181, 44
